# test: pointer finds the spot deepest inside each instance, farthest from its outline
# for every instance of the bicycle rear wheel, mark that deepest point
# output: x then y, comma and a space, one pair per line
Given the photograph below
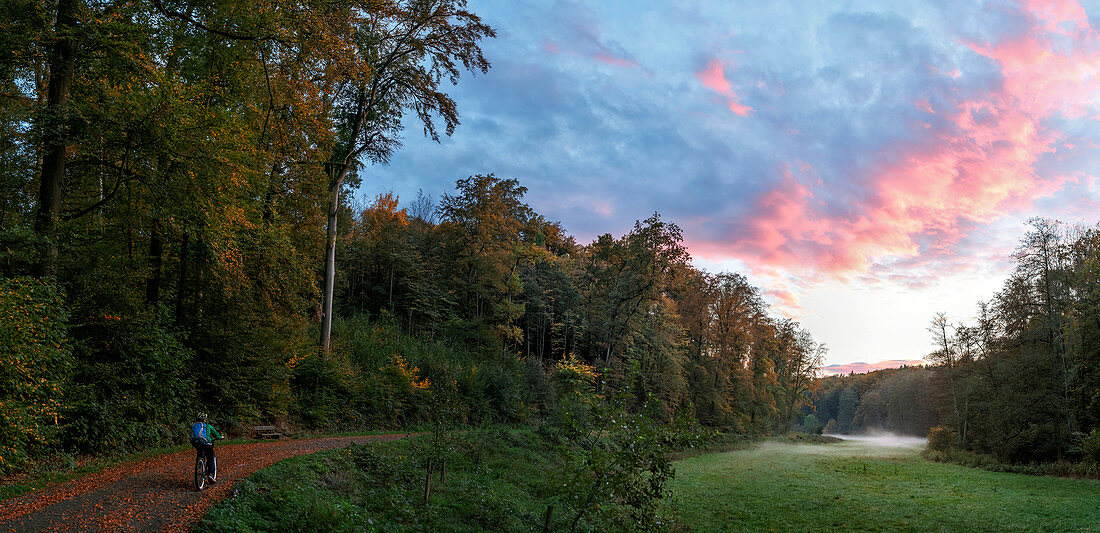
213, 474
200, 473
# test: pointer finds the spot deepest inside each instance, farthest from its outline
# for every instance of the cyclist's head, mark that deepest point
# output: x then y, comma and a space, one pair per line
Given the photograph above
201, 416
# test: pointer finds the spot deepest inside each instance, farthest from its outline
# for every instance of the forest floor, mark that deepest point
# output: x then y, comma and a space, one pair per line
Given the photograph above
868, 485
153, 493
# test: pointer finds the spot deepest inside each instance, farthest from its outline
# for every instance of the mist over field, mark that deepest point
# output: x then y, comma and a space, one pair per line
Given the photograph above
884, 439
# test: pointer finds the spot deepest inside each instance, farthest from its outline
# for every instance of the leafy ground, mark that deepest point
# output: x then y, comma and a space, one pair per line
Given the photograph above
152, 492
43, 472
871, 486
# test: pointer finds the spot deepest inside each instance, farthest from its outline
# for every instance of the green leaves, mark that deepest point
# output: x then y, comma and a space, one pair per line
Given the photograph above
35, 362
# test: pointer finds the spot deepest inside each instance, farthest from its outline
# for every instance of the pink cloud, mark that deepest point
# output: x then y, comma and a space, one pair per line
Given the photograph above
863, 368
920, 199
786, 300
607, 57
714, 78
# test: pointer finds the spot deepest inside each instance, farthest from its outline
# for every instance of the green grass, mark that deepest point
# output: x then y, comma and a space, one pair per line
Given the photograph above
495, 481
779, 486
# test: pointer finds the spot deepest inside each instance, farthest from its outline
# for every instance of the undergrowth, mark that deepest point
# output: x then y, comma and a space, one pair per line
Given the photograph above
1084, 469
486, 480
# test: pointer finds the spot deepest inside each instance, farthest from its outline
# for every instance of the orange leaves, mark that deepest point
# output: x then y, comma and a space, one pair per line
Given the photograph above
410, 374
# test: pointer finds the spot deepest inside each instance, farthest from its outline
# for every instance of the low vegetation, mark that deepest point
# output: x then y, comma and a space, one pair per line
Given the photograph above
474, 481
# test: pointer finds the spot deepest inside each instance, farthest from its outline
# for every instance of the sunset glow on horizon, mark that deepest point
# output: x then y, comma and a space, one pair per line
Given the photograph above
866, 165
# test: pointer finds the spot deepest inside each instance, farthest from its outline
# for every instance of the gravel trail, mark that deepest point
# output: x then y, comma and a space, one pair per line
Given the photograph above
154, 494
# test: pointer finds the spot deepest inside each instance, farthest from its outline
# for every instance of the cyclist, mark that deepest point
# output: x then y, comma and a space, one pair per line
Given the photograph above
203, 436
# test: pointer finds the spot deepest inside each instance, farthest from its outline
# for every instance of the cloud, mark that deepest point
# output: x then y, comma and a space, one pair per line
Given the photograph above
786, 302
713, 77
863, 368
579, 35
972, 163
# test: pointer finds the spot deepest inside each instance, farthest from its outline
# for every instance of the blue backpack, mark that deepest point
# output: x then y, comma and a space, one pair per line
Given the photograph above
198, 432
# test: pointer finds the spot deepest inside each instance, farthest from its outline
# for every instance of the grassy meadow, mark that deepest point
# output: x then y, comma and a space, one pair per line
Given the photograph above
871, 485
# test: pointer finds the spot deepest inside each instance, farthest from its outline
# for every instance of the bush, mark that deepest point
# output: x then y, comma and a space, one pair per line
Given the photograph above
1090, 446
617, 465
130, 389
941, 439
34, 364
811, 425
324, 388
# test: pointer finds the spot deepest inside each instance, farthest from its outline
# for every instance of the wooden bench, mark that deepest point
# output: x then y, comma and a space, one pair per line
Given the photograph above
266, 432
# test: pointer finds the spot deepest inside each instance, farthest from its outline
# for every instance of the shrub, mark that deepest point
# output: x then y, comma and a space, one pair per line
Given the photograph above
1090, 446
941, 439
324, 388
34, 364
811, 425
130, 388
619, 458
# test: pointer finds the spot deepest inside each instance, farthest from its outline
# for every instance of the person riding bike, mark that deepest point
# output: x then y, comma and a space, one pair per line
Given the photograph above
203, 436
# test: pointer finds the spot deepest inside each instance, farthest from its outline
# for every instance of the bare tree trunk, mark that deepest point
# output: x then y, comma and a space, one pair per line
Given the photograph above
62, 66
330, 268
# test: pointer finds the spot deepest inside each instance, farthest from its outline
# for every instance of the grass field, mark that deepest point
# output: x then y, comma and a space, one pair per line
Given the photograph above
871, 486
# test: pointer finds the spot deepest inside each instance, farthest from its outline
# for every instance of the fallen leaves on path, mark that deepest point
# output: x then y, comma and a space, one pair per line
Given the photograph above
153, 494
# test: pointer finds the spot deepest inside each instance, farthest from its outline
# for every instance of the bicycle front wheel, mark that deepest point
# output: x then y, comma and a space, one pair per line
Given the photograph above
200, 473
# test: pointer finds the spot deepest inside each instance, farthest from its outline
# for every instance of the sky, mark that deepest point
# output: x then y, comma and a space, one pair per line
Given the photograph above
866, 163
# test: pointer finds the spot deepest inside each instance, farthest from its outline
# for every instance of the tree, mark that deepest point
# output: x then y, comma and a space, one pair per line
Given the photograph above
623, 277
800, 360
947, 356
403, 50
483, 226
61, 65
846, 410
1041, 259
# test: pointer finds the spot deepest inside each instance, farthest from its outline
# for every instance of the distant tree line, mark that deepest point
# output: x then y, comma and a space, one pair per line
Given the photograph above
1022, 383
895, 400
176, 235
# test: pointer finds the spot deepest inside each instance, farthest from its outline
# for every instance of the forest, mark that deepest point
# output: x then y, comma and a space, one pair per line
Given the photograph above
180, 233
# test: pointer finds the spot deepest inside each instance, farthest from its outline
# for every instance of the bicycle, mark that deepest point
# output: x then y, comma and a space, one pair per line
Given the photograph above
202, 473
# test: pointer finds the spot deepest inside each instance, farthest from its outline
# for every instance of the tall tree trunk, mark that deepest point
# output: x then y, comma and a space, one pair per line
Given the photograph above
181, 285
62, 63
330, 267
156, 251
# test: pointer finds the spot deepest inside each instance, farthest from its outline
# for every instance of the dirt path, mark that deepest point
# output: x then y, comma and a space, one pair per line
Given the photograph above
154, 494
